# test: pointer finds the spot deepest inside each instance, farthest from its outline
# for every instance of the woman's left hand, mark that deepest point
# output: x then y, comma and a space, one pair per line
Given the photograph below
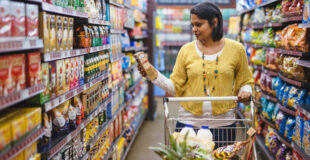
244, 97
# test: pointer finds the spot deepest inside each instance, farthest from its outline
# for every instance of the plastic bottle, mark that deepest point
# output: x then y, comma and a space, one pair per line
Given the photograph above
205, 134
188, 128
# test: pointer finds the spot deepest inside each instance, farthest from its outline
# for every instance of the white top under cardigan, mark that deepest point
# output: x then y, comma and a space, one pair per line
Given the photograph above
186, 116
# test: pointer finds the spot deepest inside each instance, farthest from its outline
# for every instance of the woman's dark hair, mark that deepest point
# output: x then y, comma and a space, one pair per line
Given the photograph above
209, 11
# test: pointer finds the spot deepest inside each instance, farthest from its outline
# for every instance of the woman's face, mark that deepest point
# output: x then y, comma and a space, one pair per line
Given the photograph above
201, 28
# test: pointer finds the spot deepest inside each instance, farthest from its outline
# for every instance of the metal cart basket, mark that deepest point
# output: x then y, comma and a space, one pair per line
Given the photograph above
240, 130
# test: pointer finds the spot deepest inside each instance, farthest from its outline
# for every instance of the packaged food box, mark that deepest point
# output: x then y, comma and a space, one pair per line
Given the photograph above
76, 72
81, 68
67, 75
33, 68
18, 71
5, 136
5, 20
6, 85
20, 156
33, 118
30, 151
52, 33
72, 73
59, 33
82, 37
18, 16
18, 126
70, 34
44, 31
60, 77
65, 33
32, 20
52, 79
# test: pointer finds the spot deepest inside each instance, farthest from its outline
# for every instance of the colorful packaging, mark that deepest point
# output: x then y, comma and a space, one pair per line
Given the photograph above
306, 137
281, 153
18, 71
20, 156
5, 135
52, 33
60, 119
283, 125
274, 144
67, 75
289, 128
18, 126
299, 128
5, 20
33, 69
60, 77
18, 14
44, 30
33, 118
32, 20
45, 141
53, 79
6, 85
82, 39
70, 33
79, 109
72, 73
65, 33
59, 33
279, 119
77, 72
31, 151
72, 117
270, 110
45, 95
81, 68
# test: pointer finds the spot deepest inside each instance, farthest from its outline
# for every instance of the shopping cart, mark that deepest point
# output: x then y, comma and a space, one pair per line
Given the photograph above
240, 129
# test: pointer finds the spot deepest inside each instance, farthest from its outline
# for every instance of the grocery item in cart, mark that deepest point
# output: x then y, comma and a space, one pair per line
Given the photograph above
188, 129
194, 141
229, 151
205, 133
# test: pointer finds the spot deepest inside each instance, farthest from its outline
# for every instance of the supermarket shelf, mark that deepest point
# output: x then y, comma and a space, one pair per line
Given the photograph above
22, 145
60, 10
286, 110
145, 20
258, 27
304, 25
293, 82
72, 53
268, 122
139, 37
261, 5
305, 63
129, 69
117, 31
132, 88
299, 151
270, 25
271, 72
253, 45
20, 45
258, 67
270, 98
261, 143
291, 19
116, 4
284, 141
18, 96
141, 49
36, 1
240, 114
292, 53
305, 109
60, 144
134, 136
277, 49
173, 43
99, 22
66, 96
129, 49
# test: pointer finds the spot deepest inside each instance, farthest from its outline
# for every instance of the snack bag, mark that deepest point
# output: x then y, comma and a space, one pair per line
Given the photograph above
228, 151
270, 110
306, 137
283, 125
79, 109
60, 119
279, 119
286, 94
281, 153
302, 96
45, 141
289, 128
292, 97
274, 144
299, 128
275, 113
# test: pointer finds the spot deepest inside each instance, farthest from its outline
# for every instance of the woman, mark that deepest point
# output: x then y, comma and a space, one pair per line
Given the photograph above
209, 66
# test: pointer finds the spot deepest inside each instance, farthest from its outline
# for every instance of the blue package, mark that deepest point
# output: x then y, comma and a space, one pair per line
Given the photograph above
126, 62
292, 97
275, 113
299, 129
307, 102
302, 95
280, 92
270, 110
264, 104
289, 127
282, 126
285, 95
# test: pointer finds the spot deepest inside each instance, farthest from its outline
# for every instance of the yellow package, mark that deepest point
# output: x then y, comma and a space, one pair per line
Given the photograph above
30, 151
59, 33
33, 116
60, 77
70, 33
20, 156
52, 33
120, 148
18, 126
65, 33
5, 135
37, 157
44, 30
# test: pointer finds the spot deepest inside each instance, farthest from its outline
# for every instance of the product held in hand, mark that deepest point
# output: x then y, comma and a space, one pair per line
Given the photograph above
146, 65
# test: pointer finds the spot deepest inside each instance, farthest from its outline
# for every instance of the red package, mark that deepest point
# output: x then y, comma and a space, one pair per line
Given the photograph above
18, 71
5, 19
18, 19
5, 76
33, 69
52, 79
32, 20
76, 72
72, 74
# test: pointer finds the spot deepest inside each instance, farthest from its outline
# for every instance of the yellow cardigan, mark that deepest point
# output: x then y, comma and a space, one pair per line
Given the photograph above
233, 73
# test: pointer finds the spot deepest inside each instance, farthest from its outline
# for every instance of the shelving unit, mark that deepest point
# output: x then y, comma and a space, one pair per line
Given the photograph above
286, 110
268, 122
261, 5
20, 45
64, 11
305, 63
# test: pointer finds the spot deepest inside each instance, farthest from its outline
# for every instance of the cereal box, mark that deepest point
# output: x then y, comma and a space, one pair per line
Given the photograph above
76, 72
65, 33
67, 75
32, 20
59, 33
18, 126
5, 20
60, 73
306, 137
6, 86
52, 33
18, 71
45, 95
70, 30
81, 68
18, 14
44, 31
72, 73
33, 118
52, 79
33, 64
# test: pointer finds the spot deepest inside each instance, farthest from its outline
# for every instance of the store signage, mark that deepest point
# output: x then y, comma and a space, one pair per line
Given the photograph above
220, 3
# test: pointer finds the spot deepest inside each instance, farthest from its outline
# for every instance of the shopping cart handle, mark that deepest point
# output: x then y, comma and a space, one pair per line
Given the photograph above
185, 99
